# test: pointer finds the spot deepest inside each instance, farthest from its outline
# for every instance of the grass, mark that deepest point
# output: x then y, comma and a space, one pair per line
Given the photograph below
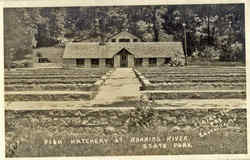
27, 131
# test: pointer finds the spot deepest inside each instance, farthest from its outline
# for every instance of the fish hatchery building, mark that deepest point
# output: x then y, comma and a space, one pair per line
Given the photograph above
121, 50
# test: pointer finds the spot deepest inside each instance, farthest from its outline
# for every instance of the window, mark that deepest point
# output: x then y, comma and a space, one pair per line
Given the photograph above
43, 60
138, 62
167, 60
124, 57
94, 62
152, 61
109, 62
135, 40
124, 40
113, 40
80, 62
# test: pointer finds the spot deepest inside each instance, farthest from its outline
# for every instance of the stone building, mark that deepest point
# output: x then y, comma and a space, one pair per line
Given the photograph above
121, 50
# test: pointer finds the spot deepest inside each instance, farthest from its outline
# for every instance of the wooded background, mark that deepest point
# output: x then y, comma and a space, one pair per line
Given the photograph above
214, 31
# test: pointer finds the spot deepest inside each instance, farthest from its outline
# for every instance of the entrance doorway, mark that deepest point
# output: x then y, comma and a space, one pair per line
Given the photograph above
124, 60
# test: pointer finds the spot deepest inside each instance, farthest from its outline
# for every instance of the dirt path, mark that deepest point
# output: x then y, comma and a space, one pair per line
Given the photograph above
122, 85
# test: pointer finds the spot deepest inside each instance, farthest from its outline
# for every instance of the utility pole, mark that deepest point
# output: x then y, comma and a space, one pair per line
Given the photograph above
185, 43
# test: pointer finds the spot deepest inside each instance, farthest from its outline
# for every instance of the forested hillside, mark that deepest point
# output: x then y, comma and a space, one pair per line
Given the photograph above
212, 30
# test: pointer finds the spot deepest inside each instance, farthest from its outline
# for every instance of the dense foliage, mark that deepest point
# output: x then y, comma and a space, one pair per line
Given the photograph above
208, 27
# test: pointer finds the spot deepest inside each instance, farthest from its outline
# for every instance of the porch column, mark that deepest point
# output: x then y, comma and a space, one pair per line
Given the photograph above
88, 63
160, 61
116, 61
145, 62
102, 63
131, 61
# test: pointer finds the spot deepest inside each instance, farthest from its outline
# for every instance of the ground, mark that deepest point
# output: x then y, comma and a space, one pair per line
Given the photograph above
119, 120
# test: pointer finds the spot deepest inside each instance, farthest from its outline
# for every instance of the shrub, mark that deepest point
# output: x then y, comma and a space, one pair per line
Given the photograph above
210, 53
143, 116
233, 52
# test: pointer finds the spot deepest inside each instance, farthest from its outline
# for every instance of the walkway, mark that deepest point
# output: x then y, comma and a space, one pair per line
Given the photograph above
122, 85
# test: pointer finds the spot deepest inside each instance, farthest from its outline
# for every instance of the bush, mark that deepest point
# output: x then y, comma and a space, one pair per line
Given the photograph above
210, 53
233, 53
143, 116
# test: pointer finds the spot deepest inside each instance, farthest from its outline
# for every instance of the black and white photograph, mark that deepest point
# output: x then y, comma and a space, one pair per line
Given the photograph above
128, 80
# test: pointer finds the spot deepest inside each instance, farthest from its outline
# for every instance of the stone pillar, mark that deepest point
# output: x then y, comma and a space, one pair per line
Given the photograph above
145, 62
131, 61
102, 63
160, 61
117, 61
88, 63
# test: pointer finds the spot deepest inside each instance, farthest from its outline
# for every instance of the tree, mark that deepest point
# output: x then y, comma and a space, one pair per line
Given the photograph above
206, 25
17, 36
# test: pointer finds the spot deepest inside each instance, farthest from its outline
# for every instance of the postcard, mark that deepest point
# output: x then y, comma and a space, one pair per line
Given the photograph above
125, 80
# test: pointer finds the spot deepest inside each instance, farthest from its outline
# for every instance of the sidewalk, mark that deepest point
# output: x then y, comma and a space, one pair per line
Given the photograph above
122, 85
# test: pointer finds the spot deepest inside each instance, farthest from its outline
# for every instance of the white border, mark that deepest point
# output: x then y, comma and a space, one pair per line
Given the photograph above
69, 3
64, 3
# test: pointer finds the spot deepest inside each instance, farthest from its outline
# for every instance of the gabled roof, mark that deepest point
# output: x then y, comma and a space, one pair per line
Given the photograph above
123, 34
138, 49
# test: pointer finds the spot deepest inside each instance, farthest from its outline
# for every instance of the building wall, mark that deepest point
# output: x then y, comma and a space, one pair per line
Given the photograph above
117, 61
102, 62
160, 61
88, 63
131, 61
69, 62
145, 62
124, 35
